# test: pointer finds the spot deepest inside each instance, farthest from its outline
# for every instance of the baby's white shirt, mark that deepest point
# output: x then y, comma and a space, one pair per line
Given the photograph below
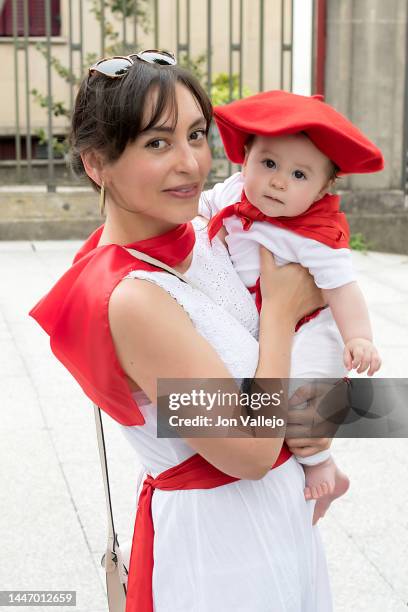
330, 268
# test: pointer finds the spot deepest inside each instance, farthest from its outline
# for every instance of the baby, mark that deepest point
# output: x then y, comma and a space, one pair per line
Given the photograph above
292, 148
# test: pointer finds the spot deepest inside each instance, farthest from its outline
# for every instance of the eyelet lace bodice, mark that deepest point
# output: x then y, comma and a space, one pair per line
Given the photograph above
224, 313
220, 307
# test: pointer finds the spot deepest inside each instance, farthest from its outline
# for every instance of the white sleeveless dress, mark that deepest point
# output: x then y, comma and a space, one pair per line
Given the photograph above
248, 546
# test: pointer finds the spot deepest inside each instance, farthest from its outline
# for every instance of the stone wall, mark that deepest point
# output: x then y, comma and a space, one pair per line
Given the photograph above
379, 215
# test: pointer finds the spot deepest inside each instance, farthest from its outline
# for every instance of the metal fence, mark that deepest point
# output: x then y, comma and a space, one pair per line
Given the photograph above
236, 47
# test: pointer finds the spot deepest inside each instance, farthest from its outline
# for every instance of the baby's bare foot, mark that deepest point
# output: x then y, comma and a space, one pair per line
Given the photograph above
320, 479
341, 485
324, 483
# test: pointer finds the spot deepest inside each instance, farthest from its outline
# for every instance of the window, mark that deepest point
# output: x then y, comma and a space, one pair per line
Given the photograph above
36, 18
38, 151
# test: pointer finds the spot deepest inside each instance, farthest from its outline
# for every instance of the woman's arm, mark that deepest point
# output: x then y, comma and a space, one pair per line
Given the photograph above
287, 293
155, 338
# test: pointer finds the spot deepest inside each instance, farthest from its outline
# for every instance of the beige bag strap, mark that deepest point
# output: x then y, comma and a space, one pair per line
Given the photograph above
112, 561
159, 264
116, 572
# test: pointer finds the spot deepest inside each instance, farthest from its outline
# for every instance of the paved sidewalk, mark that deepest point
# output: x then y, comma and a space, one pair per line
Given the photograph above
53, 516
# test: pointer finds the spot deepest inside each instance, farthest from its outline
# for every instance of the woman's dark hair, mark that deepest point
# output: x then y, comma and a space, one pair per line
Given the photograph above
109, 112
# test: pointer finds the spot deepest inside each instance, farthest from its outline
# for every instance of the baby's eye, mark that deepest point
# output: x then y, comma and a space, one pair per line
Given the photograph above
159, 143
299, 174
269, 163
197, 135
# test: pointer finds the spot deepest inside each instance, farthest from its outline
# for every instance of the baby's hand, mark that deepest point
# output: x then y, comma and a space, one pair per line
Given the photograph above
362, 354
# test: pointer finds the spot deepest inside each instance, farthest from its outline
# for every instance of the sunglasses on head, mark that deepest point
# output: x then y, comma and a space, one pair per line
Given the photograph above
118, 66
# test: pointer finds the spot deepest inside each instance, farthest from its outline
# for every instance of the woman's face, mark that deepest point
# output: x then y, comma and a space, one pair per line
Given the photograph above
161, 174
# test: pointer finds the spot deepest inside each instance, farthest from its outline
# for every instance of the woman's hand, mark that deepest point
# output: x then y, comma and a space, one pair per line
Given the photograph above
291, 288
315, 412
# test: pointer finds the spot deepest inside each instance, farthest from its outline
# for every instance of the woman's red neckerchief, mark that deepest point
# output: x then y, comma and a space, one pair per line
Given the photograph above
74, 313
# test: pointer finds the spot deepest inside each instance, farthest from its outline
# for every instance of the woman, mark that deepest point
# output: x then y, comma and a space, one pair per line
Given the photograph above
230, 533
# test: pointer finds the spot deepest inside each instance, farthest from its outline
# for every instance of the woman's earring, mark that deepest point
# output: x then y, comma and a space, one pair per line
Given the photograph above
102, 199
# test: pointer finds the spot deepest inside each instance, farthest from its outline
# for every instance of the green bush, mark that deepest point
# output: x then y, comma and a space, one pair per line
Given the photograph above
224, 89
359, 243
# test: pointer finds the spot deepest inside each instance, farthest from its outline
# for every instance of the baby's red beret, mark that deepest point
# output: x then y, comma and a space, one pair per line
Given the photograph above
275, 113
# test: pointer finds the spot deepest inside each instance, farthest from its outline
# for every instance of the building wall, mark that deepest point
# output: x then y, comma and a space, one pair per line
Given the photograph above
167, 39
365, 78
365, 63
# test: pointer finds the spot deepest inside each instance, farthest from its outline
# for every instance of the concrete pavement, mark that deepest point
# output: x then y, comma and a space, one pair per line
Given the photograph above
53, 516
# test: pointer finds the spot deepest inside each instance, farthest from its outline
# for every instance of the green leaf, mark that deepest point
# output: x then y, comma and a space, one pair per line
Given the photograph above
359, 243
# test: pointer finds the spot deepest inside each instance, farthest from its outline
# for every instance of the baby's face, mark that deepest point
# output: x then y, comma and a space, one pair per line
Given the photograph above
284, 175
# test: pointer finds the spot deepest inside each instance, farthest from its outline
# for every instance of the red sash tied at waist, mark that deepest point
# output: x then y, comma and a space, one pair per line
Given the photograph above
193, 473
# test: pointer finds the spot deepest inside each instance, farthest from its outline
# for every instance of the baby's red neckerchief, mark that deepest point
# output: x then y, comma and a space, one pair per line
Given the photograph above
74, 313
322, 221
